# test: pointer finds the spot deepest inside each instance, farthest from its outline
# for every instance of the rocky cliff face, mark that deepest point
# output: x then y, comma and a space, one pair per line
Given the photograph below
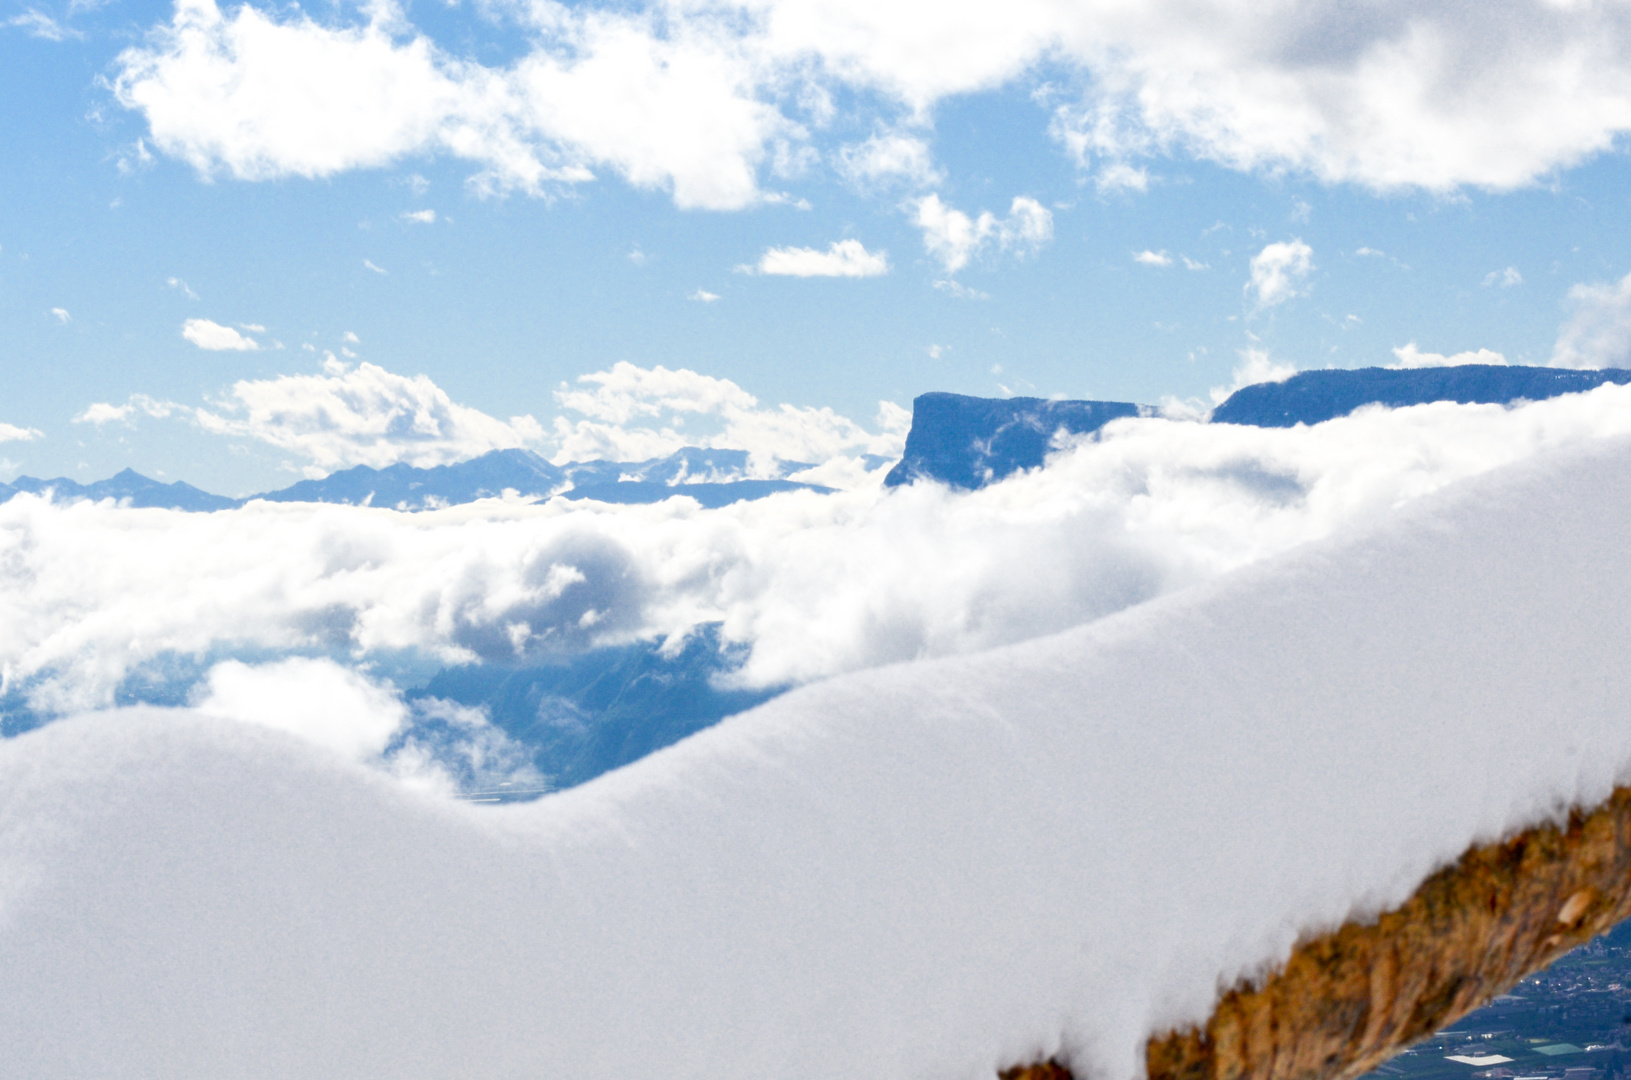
1347, 1001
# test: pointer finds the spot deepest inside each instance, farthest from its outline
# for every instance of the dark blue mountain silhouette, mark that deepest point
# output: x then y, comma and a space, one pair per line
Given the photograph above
406, 487
713, 477
1314, 396
605, 708
969, 442
128, 484
711, 496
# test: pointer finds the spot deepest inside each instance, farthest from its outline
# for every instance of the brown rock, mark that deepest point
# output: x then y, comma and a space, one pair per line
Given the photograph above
1347, 1001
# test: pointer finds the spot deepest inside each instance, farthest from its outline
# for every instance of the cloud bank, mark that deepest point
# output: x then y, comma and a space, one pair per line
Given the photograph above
808, 585
701, 97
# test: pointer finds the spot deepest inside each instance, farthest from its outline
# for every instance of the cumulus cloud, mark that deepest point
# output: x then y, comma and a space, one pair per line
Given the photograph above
103, 412
365, 416
1153, 258
886, 158
698, 98
61, 315
13, 433
1409, 356
843, 258
1280, 272
954, 238
215, 337
809, 585
630, 413
1598, 332
1505, 278
316, 699
182, 287
702, 296
420, 217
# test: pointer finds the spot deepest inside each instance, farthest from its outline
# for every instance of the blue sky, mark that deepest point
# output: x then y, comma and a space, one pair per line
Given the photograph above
503, 197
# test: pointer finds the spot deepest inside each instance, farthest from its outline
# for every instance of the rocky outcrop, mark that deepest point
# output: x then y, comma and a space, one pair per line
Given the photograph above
1312, 397
1347, 1001
969, 442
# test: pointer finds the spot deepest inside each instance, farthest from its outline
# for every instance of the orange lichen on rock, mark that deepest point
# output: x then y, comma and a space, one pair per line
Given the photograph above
1347, 1001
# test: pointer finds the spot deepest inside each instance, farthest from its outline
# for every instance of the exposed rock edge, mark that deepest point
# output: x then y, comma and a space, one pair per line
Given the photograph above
1347, 1001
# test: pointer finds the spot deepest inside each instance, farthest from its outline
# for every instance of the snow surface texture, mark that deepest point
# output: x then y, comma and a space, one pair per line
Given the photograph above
92, 596
920, 871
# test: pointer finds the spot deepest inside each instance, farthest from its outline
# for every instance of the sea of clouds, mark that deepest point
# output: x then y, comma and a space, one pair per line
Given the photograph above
925, 870
261, 612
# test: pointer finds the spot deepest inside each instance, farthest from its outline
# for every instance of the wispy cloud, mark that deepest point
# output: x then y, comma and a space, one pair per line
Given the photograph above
40, 25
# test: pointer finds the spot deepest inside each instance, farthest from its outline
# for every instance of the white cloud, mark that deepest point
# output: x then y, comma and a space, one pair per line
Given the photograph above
698, 97
315, 699
182, 287
1280, 272
215, 337
1505, 278
703, 295
810, 585
843, 258
1409, 356
61, 315
368, 263
420, 217
1372, 253
365, 416
351, 337
40, 25
889, 157
13, 433
1256, 366
630, 413
1117, 176
961, 291
1152, 258
954, 238
103, 412
1598, 332
1191, 264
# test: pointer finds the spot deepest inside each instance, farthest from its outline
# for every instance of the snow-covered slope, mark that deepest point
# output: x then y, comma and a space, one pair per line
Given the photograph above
926, 870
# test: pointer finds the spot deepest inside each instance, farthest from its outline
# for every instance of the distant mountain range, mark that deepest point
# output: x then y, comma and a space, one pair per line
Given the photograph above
966, 442
1315, 396
714, 478
969, 442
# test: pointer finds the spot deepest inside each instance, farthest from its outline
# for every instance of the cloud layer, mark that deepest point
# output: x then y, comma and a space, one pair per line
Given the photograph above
701, 97
811, 585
